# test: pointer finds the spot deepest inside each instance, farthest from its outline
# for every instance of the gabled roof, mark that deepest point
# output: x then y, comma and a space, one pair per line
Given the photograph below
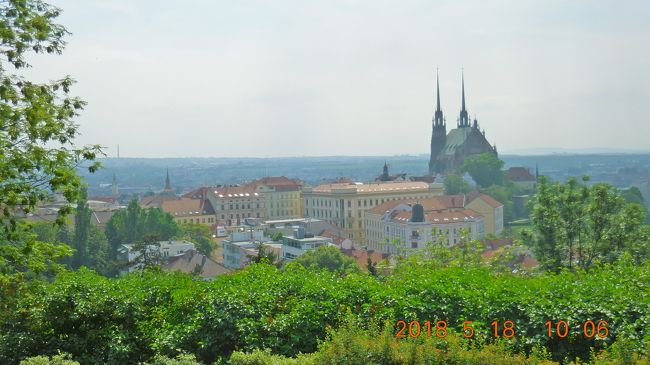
486, 198
187, 207
520, 174
190, 260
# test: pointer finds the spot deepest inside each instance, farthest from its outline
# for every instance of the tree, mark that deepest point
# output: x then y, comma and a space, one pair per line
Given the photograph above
37, 151
455, 184
575, 224
134, 223
148, 254
276, 236
200, 235
329, 258
484, 168
81, 229
265, 256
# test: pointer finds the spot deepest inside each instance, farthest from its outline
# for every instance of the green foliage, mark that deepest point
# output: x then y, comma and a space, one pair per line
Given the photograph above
37, 152
200, 235
276, 236
259, 357
485, 169
148, 255
130, 319
579, 225
81, 230
134, 223
455, 184
328, 258
182, 359
60, 359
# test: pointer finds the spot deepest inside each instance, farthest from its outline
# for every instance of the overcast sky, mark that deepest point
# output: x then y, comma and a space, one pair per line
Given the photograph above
304, 78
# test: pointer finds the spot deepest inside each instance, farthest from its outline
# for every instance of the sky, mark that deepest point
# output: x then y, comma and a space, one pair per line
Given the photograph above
201, 78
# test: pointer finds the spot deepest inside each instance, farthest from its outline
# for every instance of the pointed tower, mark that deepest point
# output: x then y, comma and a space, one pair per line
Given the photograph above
168, 185
439, 133
463, 119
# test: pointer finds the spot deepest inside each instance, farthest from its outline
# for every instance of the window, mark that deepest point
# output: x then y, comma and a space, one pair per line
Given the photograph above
349, 204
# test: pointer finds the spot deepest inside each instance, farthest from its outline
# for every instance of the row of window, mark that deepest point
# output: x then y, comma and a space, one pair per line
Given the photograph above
236, 206
366, 203
196, 220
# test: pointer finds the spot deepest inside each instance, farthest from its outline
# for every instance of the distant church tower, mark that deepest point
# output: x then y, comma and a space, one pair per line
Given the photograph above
439, 134
463, 119
449, 150
168, 186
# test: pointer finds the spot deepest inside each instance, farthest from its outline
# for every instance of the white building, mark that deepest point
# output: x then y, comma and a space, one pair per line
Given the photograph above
300, 242
400, 228
164, 248
344, 204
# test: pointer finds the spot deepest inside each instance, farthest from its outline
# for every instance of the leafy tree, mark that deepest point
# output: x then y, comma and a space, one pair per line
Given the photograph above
200, 235
148, 254
485, 169
455, 184
265, 256
98, 251
81, 230
134, 223
329, 258
576, 224
37, 151
276, 236
371, 267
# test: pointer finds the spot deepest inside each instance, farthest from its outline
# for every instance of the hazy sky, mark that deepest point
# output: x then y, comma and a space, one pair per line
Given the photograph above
293, 78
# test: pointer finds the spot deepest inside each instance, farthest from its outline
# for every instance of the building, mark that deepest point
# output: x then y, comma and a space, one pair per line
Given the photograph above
385, 176
489, 208
187, 210
239, 254
343, 204
166, 249
449, 150
156, 200
193, 262
232, 203
282, 197
395, 226
521, 177
301, 242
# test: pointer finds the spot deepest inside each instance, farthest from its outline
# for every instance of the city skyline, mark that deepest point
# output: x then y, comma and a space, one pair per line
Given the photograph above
207, 79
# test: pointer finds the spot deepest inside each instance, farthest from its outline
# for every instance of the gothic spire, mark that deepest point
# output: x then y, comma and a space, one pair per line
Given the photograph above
438, 119
464, 119
168, 185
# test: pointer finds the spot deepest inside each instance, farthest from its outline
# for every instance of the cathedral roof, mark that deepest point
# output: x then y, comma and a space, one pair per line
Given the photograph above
455, 138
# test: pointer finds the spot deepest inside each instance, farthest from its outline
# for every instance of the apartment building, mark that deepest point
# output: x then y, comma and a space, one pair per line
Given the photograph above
344, 204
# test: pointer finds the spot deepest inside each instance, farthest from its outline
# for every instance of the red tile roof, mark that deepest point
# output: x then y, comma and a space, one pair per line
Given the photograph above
520, 174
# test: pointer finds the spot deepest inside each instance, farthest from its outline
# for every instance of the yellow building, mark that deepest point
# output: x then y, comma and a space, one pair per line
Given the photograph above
282, 196
187, 210
232, 204
344, 204
489, 208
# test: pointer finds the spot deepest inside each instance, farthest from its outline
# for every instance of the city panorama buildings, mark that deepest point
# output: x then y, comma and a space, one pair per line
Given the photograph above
449, 150
344, 204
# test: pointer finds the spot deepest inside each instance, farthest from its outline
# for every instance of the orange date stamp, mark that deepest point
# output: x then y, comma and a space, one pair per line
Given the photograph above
505, 329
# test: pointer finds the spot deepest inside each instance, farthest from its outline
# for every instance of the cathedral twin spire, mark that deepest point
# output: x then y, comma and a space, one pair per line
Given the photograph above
463, 119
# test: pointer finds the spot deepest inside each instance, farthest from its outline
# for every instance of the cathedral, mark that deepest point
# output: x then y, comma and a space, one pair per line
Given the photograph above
449, 150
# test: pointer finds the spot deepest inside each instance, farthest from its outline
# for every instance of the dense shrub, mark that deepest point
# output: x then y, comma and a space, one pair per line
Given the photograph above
133, 318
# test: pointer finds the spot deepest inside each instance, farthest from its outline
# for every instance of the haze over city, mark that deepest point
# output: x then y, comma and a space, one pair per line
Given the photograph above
294, 78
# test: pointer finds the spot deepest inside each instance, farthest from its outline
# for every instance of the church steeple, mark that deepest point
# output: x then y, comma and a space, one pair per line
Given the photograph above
438, 119
463, 120
168, 185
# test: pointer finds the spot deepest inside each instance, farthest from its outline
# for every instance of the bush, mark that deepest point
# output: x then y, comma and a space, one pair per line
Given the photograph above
60, 359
